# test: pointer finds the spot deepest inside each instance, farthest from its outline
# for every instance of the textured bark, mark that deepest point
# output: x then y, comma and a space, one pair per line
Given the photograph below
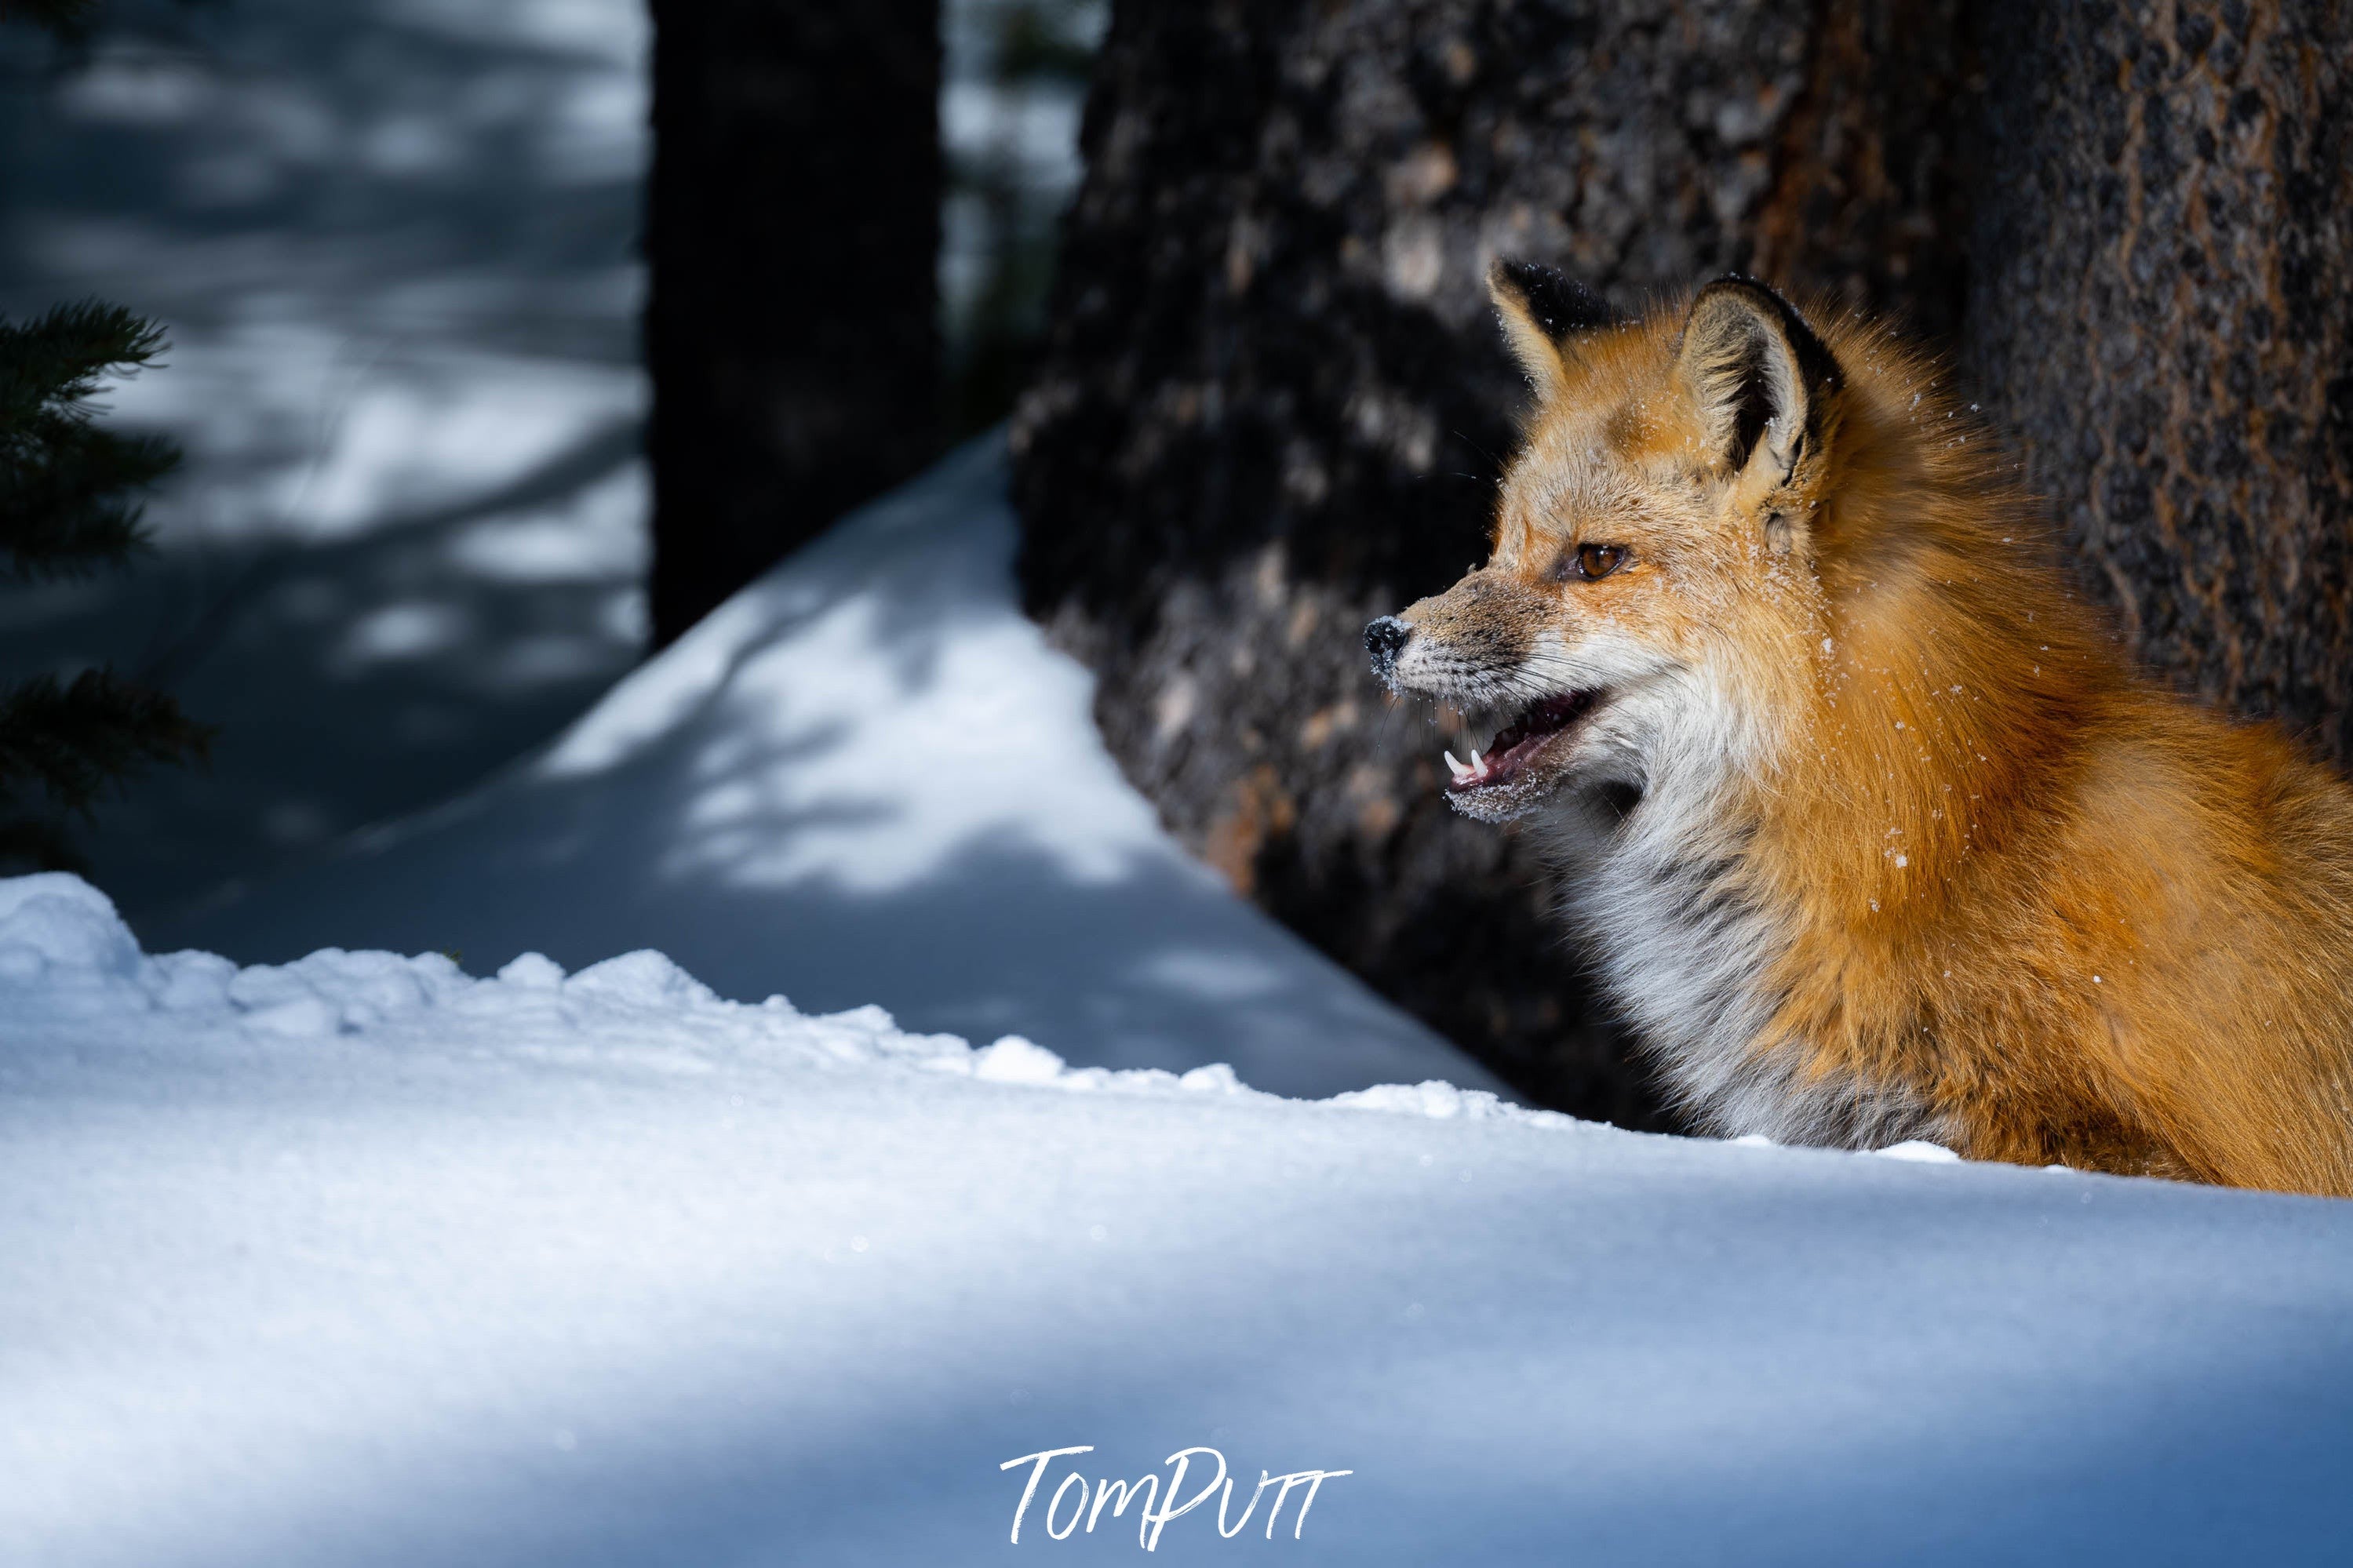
2163, 309
1274, 400
793, 232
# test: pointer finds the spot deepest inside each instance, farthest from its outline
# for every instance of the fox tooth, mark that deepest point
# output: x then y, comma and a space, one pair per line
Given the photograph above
1477, 766
1459, 771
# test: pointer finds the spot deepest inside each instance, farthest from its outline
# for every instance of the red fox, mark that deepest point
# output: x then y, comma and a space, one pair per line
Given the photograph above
1874, 832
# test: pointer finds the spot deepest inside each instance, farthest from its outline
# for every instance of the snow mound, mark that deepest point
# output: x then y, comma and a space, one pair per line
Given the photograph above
67, 958
60, 924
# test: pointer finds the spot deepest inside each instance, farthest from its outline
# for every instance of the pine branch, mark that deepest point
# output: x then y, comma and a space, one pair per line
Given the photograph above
63, 509
57, 361
65, 506
73, 740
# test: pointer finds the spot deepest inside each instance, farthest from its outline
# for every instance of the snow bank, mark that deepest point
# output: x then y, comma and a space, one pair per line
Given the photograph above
68, 961
864, 779
360, 1260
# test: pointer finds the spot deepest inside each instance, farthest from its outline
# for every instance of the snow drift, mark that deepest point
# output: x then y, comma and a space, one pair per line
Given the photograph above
360, 1260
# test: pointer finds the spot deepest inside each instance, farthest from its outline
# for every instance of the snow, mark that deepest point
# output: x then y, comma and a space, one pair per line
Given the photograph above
864, 779
393, 244
362, 1260
1919, 1150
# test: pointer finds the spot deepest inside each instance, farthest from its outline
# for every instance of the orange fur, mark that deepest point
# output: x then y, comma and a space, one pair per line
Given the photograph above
1995, 877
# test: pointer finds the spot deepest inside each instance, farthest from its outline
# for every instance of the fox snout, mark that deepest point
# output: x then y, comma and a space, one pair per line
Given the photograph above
1385, 639
1466, 644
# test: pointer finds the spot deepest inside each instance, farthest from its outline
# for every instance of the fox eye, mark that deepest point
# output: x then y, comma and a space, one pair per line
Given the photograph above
1591, 562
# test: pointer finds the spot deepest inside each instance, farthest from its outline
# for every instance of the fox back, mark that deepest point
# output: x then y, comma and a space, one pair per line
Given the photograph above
1873, 831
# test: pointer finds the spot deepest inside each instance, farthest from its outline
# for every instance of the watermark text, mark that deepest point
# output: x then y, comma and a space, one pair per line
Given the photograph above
1074, 1502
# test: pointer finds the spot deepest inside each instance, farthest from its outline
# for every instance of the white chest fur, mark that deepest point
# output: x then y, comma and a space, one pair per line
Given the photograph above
1686, 942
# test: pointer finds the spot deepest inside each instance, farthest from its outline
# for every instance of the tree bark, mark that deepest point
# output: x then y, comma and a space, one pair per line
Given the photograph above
1274, 401
793, 235
2162, 308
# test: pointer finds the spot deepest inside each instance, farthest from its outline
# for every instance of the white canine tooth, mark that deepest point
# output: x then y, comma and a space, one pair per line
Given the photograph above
1459, 771
1477, 766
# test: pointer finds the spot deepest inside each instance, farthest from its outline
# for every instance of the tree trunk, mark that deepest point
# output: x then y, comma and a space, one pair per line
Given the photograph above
793, 235
2162, 308
1274, 399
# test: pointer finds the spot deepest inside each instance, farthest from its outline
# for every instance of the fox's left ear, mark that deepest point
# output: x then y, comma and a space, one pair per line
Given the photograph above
1541, 310
1765, 386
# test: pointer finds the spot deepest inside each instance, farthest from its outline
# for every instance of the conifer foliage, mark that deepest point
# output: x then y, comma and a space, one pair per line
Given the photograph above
69, 508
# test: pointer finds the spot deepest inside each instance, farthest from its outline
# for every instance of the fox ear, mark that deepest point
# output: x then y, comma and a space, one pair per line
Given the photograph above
1766, 386
1541, 308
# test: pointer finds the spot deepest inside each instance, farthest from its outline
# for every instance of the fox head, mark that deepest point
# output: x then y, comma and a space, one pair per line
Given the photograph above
1652, 592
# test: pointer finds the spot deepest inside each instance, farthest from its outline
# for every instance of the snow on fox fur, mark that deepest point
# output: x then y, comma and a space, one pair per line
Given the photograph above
1875, 834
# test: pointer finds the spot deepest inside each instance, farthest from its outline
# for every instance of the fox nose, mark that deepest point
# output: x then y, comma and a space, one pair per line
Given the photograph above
1383, 640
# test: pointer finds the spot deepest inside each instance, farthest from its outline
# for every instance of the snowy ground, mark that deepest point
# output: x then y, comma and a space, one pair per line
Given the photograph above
361, 1261
394, 242
391, 240
864, 779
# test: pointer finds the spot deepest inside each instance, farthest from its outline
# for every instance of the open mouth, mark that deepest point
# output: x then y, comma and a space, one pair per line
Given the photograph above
1514, 747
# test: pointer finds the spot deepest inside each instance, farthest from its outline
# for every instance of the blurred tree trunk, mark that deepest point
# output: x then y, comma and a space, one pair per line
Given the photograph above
2162, 308
1273, 399
793, 232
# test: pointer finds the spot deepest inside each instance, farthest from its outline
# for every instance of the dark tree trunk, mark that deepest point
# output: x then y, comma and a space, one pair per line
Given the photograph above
2163, 309
793, 240
1274, 399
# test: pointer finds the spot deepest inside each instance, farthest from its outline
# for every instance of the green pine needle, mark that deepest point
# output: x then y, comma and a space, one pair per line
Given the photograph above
68, 507
73, 739
66, 486
61, 356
